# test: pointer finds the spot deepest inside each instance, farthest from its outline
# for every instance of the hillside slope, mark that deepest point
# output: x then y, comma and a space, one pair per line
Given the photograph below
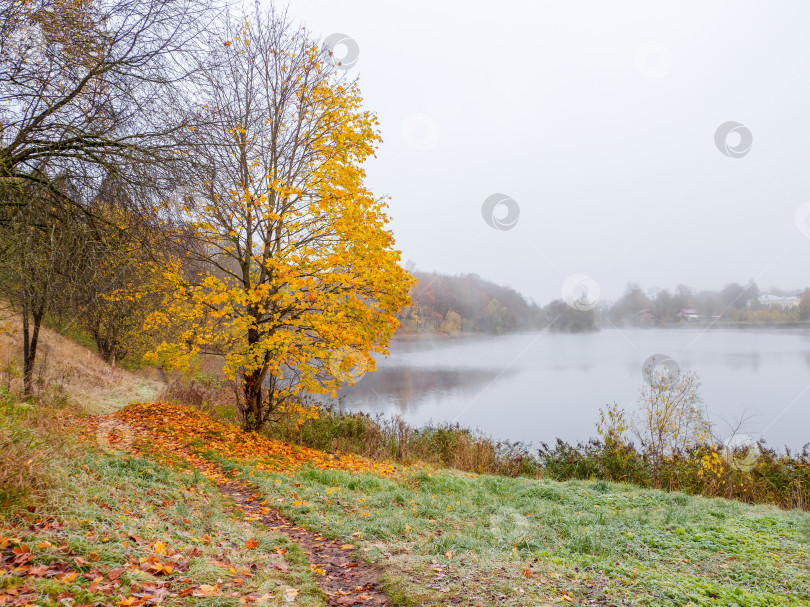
67, 368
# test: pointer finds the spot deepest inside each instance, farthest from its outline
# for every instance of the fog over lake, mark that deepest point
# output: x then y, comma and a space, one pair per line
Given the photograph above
539, 386
541, 145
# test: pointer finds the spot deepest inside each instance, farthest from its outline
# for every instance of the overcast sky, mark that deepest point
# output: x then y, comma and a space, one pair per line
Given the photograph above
599, 120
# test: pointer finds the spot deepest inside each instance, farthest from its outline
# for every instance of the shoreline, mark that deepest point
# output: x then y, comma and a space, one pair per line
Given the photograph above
731, 324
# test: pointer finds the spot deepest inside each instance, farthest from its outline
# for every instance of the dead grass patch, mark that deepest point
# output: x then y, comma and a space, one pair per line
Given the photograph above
66, 369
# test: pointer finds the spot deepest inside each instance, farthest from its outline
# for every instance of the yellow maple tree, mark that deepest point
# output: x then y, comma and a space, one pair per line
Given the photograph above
293, 275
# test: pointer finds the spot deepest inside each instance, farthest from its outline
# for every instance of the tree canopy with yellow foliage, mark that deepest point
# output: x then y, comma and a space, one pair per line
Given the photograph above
295, 276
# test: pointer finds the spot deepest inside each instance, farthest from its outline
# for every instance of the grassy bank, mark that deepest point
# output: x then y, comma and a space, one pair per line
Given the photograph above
758, 475
112, 529
444, 536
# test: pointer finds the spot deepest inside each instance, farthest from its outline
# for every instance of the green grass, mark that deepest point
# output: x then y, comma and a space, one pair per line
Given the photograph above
110, 512
509, 541
439, 536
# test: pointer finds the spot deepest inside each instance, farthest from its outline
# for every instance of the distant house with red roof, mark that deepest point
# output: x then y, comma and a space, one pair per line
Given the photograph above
688, 314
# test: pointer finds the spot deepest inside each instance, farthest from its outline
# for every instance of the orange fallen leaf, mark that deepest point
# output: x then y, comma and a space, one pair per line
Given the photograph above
160, 568
5, 542
38, 571
206, 590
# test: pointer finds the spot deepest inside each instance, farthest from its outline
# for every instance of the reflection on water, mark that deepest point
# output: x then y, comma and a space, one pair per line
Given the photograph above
536, 387
405, 388
743, 359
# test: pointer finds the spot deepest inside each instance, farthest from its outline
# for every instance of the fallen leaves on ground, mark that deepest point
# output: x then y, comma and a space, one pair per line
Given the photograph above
145, 427
133, 534
187, 438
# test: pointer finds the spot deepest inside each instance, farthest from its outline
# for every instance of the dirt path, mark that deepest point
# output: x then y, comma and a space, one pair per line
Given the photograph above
344, 578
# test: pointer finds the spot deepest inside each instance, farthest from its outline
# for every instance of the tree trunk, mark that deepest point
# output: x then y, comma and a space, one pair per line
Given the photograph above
256, 409
252, 413
30, 341
27, 368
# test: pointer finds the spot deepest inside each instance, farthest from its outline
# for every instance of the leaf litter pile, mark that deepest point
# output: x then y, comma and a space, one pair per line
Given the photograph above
147, 427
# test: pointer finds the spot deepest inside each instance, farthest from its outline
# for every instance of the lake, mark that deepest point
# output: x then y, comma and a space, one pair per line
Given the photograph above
540, 386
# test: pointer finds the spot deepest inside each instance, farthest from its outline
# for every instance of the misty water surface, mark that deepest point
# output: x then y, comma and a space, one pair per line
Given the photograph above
539, 386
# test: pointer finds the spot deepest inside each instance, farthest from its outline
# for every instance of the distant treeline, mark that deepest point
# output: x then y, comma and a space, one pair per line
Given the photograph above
734, 303
466, 303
